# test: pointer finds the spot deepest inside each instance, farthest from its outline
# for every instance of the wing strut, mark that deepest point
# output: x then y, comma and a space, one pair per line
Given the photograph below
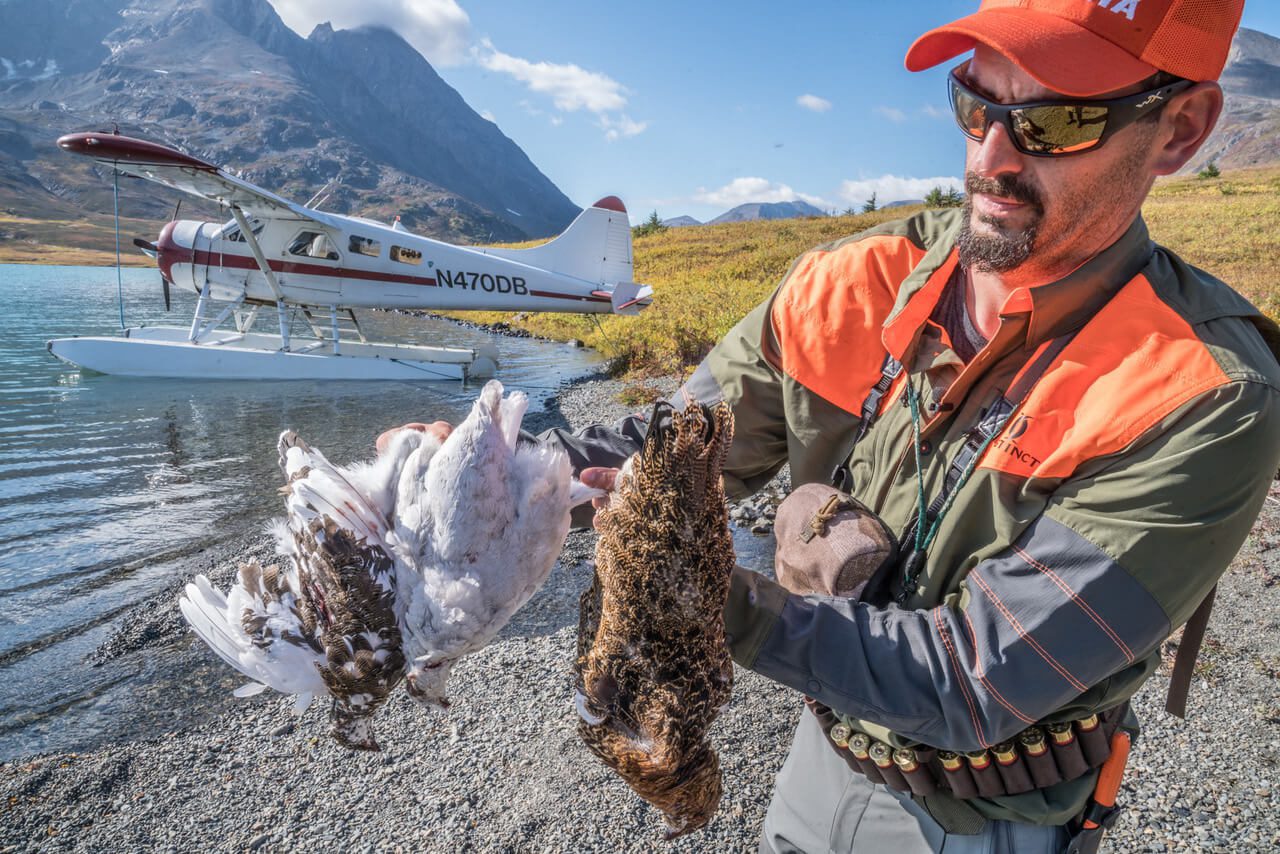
252, 240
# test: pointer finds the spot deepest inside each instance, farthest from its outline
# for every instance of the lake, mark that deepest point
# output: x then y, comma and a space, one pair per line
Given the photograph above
107, 484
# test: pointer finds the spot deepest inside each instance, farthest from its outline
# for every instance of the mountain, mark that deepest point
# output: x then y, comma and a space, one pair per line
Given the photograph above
680, 221
228, 82
1248, 133
768, 210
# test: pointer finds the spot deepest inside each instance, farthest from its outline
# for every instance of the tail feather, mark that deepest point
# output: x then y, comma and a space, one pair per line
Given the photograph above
287, 667
205, 611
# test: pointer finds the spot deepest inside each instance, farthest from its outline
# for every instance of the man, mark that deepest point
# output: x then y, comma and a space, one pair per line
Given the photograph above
1088, 424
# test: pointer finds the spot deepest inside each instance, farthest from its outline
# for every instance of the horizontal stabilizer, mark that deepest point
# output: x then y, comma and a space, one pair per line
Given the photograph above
630, 298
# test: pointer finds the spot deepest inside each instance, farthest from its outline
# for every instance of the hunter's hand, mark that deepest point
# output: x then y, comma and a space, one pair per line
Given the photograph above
599, 478
439, 429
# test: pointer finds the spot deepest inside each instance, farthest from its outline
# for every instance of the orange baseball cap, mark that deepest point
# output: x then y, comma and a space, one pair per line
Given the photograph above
1084, 48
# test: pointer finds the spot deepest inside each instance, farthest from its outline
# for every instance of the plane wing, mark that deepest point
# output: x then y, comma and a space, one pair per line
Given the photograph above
172, 168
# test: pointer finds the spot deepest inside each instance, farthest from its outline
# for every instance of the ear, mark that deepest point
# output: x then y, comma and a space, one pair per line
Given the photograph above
1185, 124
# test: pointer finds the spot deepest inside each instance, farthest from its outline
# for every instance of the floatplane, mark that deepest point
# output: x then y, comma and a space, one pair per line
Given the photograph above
325, 266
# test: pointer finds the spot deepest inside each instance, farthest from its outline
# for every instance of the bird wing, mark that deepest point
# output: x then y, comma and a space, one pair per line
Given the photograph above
346, 568
258, 628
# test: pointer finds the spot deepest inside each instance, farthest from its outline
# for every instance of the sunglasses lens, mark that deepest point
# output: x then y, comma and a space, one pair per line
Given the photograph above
1060, 128
971, 114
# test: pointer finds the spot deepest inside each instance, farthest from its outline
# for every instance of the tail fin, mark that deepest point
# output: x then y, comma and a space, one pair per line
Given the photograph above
596, 246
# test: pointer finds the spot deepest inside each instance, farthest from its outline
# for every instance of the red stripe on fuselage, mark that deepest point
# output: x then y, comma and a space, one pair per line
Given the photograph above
578, 297
241, 262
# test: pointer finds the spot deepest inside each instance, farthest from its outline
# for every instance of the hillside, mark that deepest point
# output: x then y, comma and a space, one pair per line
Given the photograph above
767, 210
227, 81
1248, 133
706, 279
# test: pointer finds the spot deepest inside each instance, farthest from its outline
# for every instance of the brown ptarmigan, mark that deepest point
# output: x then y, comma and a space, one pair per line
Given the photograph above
653, 668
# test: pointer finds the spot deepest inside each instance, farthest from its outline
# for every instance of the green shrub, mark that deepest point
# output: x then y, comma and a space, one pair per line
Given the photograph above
940, 198
652, 225
1210, 171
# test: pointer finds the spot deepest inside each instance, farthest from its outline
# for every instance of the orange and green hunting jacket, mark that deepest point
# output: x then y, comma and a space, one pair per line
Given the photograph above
1109, 501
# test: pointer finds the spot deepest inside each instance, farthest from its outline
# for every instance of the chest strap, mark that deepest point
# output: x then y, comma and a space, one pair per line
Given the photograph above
871, 406
1185, 662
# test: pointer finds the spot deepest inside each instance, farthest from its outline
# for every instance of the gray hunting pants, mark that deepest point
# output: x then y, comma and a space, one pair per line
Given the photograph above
820, 806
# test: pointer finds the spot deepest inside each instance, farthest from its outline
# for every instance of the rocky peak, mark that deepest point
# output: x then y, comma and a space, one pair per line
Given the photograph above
227, 81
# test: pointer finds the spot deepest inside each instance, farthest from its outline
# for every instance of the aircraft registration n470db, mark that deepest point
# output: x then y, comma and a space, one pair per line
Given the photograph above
276, 252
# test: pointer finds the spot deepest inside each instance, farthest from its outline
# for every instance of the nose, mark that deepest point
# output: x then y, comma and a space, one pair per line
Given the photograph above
995, 154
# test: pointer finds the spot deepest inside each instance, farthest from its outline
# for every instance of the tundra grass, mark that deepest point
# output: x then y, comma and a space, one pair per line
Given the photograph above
706, 278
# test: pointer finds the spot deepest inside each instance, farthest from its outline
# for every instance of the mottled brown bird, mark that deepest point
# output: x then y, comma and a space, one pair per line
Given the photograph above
325, 621
653, 667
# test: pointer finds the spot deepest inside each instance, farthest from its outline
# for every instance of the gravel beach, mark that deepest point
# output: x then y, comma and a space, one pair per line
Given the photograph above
505, 770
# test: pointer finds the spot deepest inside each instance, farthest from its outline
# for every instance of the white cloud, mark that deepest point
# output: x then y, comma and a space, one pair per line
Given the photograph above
934, 112
740, 191
893, 188
570, 87
621, 126
893, 114
813, 102
439, 29
487, 115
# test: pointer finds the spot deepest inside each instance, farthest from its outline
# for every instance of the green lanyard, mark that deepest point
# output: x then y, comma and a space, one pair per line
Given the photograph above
924, 539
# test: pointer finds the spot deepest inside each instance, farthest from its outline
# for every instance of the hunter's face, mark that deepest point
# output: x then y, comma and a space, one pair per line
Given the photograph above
1050, 214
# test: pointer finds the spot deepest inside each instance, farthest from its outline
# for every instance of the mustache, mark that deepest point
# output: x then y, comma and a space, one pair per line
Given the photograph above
1006, 186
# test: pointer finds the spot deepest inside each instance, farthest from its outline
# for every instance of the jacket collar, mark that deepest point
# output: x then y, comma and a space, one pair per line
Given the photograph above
1046, 311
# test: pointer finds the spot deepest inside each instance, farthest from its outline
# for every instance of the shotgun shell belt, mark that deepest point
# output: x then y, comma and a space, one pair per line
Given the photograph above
1037, 758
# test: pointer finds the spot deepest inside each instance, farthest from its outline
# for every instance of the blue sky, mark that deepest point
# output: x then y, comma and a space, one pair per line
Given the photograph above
692, 108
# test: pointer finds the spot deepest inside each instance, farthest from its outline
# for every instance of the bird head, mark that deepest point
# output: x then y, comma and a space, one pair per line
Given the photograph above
689, 796
426, 683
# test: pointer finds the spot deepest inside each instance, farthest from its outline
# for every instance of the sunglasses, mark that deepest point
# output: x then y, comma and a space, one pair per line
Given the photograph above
1054, 128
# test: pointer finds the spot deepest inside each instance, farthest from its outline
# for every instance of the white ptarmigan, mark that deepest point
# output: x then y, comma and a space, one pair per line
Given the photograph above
394, 568
480, 523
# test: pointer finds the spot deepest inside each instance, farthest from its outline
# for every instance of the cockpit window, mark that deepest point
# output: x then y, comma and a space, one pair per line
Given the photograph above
232, 231
313, 244
365, 246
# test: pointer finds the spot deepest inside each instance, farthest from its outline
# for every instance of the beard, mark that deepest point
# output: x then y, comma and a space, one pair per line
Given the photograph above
1001, 249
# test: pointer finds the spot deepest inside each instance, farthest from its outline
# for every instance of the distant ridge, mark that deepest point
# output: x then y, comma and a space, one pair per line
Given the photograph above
1248, 133
680, 221
768, 210
228, 82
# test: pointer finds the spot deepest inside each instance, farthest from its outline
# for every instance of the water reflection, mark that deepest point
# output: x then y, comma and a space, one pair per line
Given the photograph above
109, 485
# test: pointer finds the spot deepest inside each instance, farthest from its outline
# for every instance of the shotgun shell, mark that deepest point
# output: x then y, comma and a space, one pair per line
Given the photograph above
1088, 724
1032, 740
860, 744
979, 758
950, 761
1061, 734
840, 734
881, 754
1005, 754
905, 758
